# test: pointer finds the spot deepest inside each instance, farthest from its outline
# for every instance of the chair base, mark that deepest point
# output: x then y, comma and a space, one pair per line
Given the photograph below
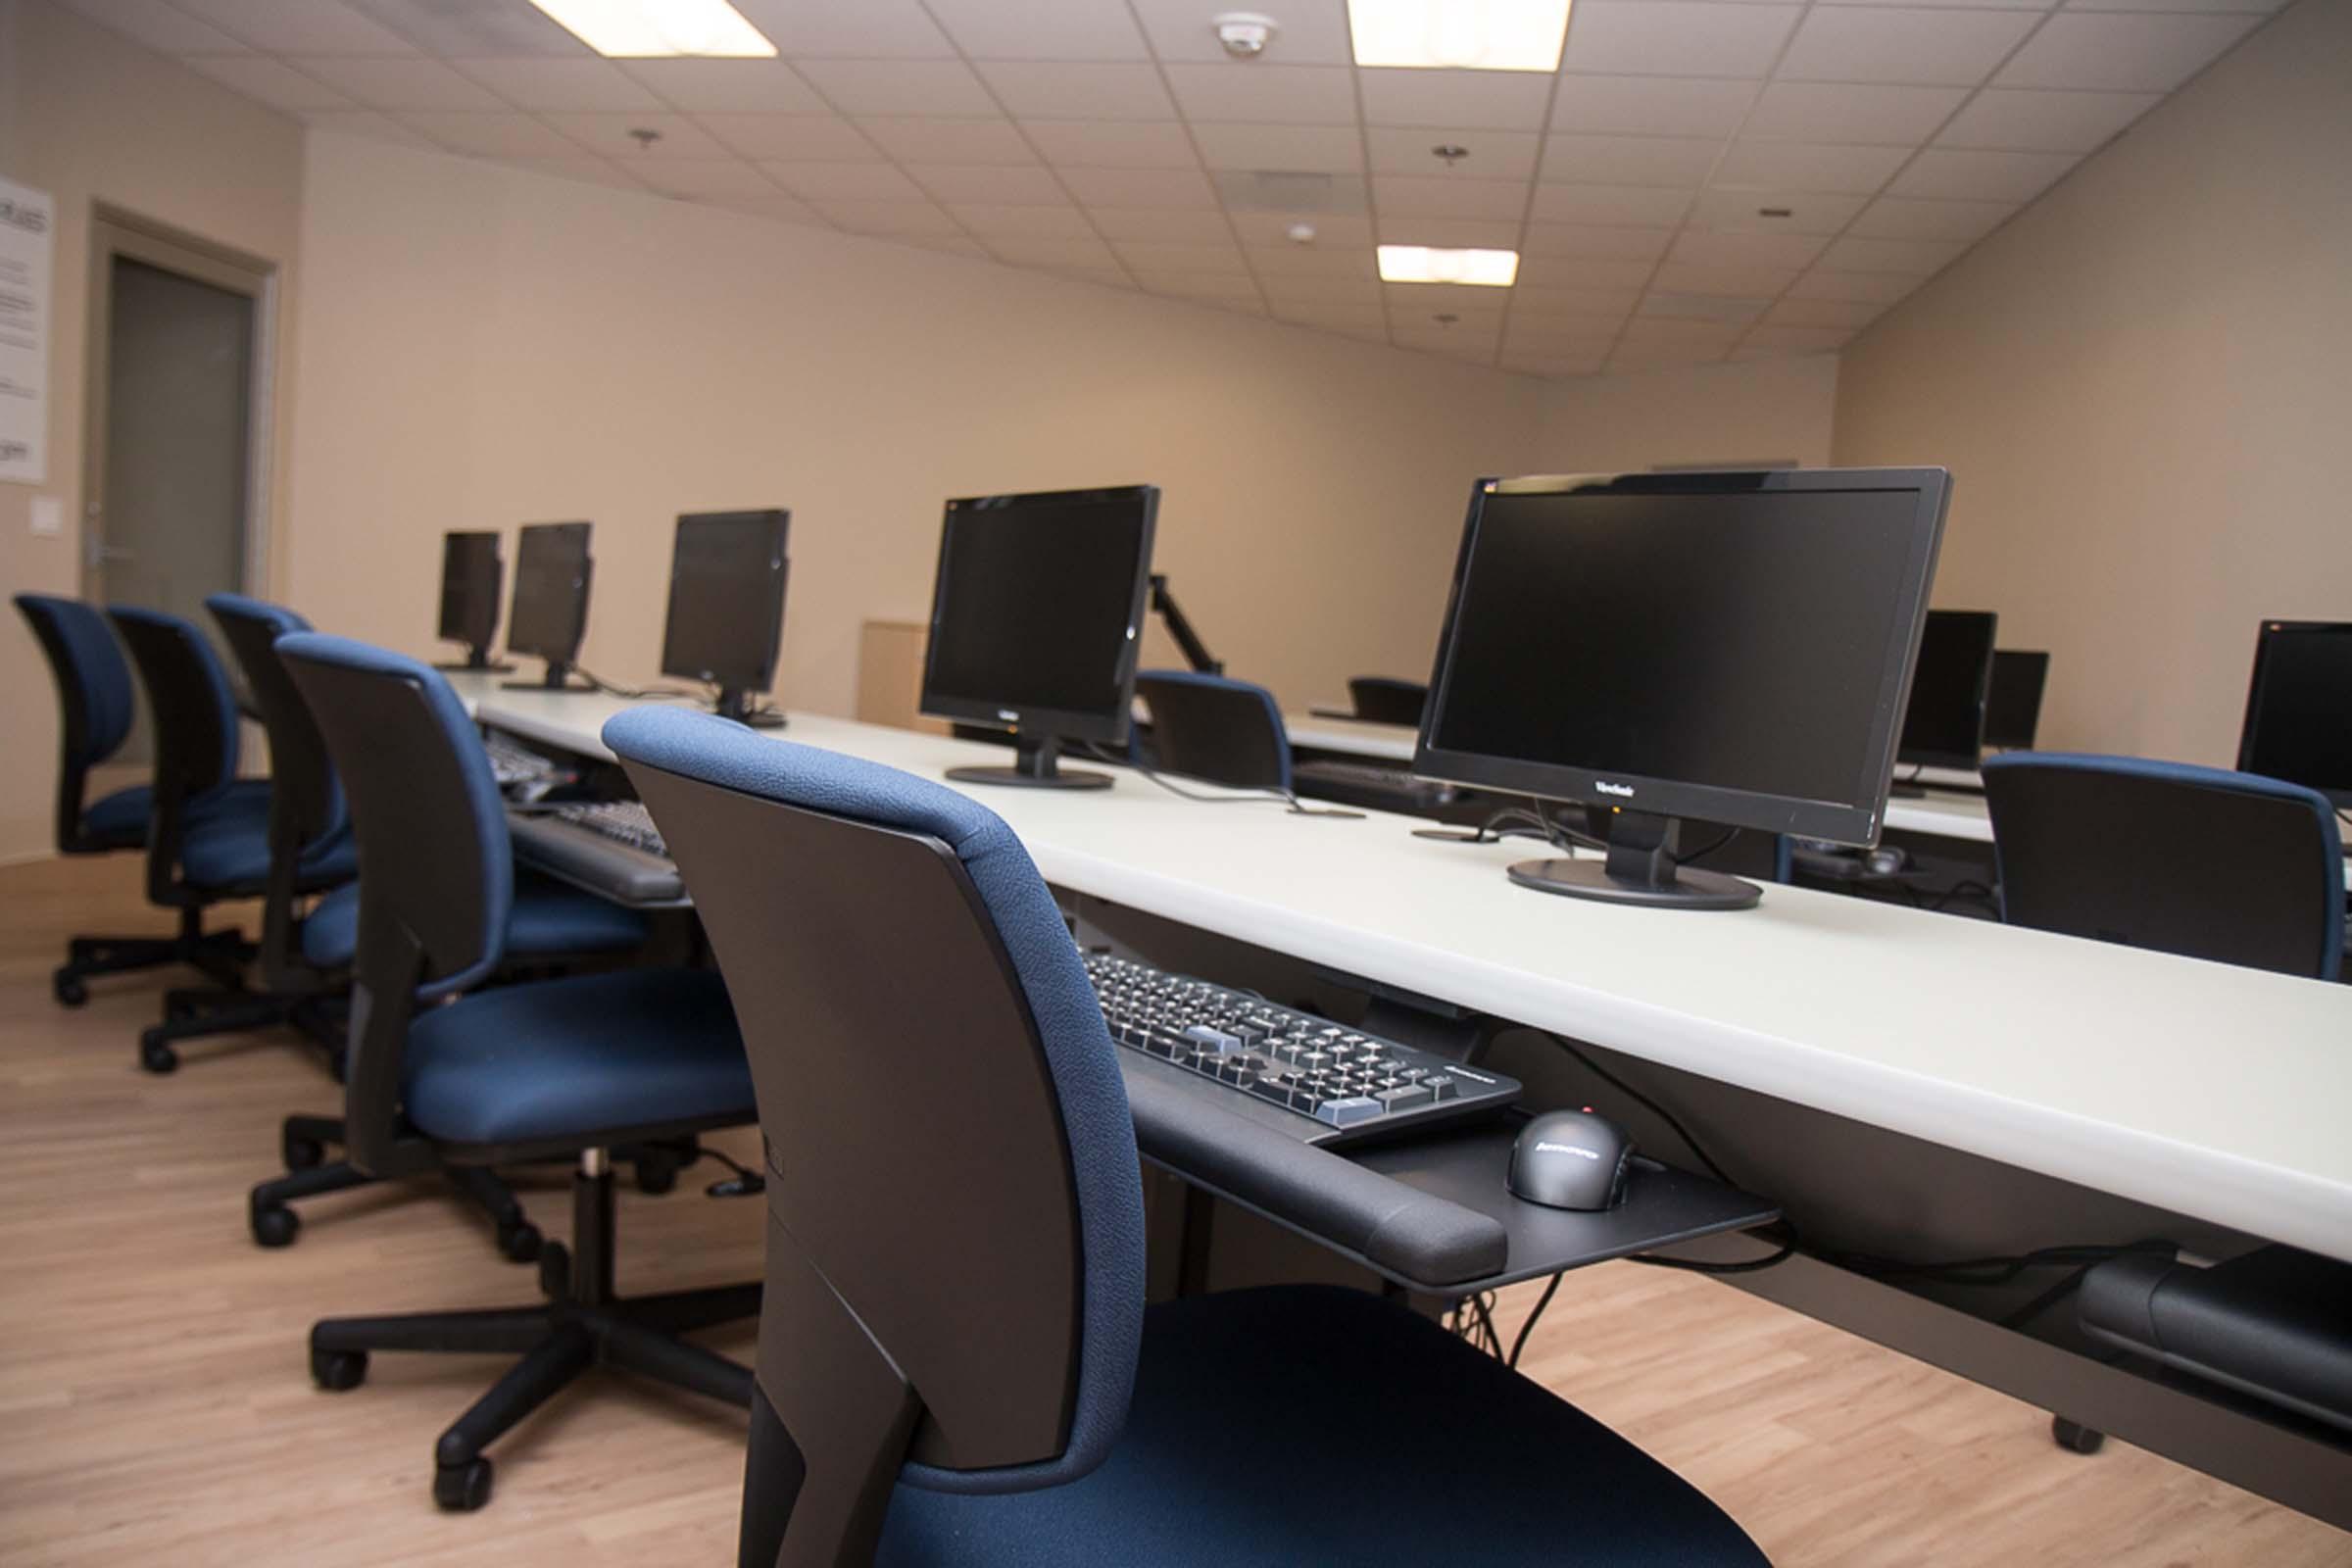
304, 1142
236, 1008
584, 1323
220, 956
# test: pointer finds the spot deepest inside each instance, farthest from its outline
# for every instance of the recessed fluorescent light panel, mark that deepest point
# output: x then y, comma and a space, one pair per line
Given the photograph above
1419, 264
655, 29
1459, 34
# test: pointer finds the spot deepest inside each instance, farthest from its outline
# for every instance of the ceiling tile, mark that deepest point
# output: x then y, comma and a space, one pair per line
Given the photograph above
1807, 212
887, 220
947, 245
1871, 44
1549, 300
1029, 186
1281, 288
899, 87
1919, 257
1332, 149
2043, 121
1809, 166
1906, 217
1870, 288
501, 135
586, 170
1411, 196
299, 27
368, 123
159, 25
1955, 5
1845, 314
792, 138
1598, 242
1675, 37
1363, 318
1792, 111
1331, 229
385, 82
1038, 250
1291, 190
849, 29
1169, 227
729, 87
821, 182
1140, 187
1711, 309
1477, 233
1781, 342
1265, 95
1314, 260
1704, 247
1041, 29
1153, 256
1058, 90
613, 135
703, 179
1582, 271
476, 32
1308, 32
1650, 106
1637, 358
270, 81
1112, 144
949, 141
2121, 52
1050, 221
1100, 276
2250, 7
1731, 282
1552, 366
540, 83
1538, 334
1629, 160
771, 204
1610, 205
1213, 287
1493, 154
1655, 331
1956, 175
1491, 100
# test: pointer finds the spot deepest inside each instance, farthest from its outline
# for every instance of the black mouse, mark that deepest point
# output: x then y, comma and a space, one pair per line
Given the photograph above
1571, 1159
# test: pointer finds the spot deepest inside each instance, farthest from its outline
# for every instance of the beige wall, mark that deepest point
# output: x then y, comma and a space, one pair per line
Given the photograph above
1773, 410
2144, 388
91, 119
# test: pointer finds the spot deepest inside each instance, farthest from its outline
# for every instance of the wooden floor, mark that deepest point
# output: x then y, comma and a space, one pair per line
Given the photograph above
155, 1403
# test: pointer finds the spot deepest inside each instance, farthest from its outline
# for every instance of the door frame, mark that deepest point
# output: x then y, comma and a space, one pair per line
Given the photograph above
115, 233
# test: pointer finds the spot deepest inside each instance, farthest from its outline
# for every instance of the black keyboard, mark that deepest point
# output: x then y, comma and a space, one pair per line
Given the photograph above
610, 847
622, 822
1372, 784
1355, 1084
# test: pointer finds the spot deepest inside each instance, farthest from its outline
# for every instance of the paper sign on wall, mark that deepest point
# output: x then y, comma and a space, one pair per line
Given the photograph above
27, 222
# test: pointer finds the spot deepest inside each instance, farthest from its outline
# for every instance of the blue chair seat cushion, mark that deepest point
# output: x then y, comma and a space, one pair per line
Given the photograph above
119, 820
229, 849
1312, 1424
548, 918
579, 1059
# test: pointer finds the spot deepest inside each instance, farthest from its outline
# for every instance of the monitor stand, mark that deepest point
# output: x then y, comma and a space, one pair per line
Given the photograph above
737, 703
478, 661
556, 679
1036, 767
1639, 869
1906, 790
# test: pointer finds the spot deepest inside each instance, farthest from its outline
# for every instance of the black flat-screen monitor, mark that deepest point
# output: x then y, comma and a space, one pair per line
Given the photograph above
2013, 707
1944, 725
471, 572
1036, 613
549, 612
727, 572
1734, 645
2298, 723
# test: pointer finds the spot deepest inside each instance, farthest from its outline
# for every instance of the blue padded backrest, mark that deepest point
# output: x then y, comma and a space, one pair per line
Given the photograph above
1079, 1055
2199, 861
188, 695
1217, 728
301, 774
93, 678
434, 856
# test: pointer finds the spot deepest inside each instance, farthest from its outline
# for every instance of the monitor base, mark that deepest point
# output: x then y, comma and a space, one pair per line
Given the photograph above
556, 679
1905, 789
738, 703
1055, 780
483, 667
1690, 889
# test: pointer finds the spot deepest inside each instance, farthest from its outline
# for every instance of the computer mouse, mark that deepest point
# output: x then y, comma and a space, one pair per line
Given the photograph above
1571, 1159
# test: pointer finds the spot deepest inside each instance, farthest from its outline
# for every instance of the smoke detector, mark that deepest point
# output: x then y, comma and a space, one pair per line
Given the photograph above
1302, 233
1245, 35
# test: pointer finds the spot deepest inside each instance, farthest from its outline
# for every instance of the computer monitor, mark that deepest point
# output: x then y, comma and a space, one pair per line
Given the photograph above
1036, 613
471, 570
726, 607
1728, 646
1944, 725
549, 612
2299, 708
2013, 707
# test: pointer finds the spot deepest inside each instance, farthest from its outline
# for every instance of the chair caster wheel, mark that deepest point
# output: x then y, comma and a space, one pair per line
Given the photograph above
276, 1226
68, 987
338, 1371
521, 1243
302, 1153
2075, 1438
156, 1056
461, 1488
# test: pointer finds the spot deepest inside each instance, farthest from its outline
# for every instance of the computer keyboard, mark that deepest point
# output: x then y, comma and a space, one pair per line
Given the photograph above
512, 765
1373, 784
622, 822
1354, 1084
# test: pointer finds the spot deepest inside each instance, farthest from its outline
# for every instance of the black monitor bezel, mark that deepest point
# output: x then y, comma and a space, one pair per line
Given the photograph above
1109, 729
2272, 628
571, 650
2040, 665
449, 571
1856, 822
1931, 756
773, 641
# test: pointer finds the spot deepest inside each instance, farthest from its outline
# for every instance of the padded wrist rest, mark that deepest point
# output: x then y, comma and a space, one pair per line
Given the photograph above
607, 866
1431, 1241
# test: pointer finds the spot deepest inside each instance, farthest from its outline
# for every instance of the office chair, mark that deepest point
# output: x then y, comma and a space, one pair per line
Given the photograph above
95, 704
2194, 861
199, 858
555, 1068
305, 958
1215, 728
1386, 700
956, 1362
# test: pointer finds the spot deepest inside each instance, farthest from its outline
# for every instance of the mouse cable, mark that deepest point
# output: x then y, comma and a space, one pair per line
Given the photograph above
1660, 1112
1519, 1341
1288, 798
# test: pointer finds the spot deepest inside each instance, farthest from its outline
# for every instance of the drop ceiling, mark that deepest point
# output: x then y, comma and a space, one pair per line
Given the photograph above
1703, 181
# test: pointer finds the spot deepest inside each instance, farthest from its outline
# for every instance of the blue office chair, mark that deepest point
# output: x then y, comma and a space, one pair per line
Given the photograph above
556, 1069
1217, 728
305, 958
956, 1362
2195, 860
95, 704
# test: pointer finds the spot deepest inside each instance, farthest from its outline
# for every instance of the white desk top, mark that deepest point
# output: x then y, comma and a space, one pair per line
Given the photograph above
2214, 1090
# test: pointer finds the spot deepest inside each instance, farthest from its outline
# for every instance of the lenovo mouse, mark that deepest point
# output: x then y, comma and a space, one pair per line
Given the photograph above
1571, 1159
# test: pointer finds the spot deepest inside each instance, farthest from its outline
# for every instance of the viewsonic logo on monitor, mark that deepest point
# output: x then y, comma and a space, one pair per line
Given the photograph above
1606, 788
1009, 716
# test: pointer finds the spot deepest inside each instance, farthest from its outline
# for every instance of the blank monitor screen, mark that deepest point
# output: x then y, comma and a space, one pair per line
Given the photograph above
2013, 708
1685, 644
1944, 725
2299, 709
550, 614
469, 585
726, 599
1035, 610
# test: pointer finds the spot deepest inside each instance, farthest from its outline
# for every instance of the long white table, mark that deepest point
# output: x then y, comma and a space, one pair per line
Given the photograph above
2212, 1091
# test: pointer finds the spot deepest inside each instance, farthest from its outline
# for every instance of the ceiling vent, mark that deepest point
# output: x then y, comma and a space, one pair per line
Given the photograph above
1291, 191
